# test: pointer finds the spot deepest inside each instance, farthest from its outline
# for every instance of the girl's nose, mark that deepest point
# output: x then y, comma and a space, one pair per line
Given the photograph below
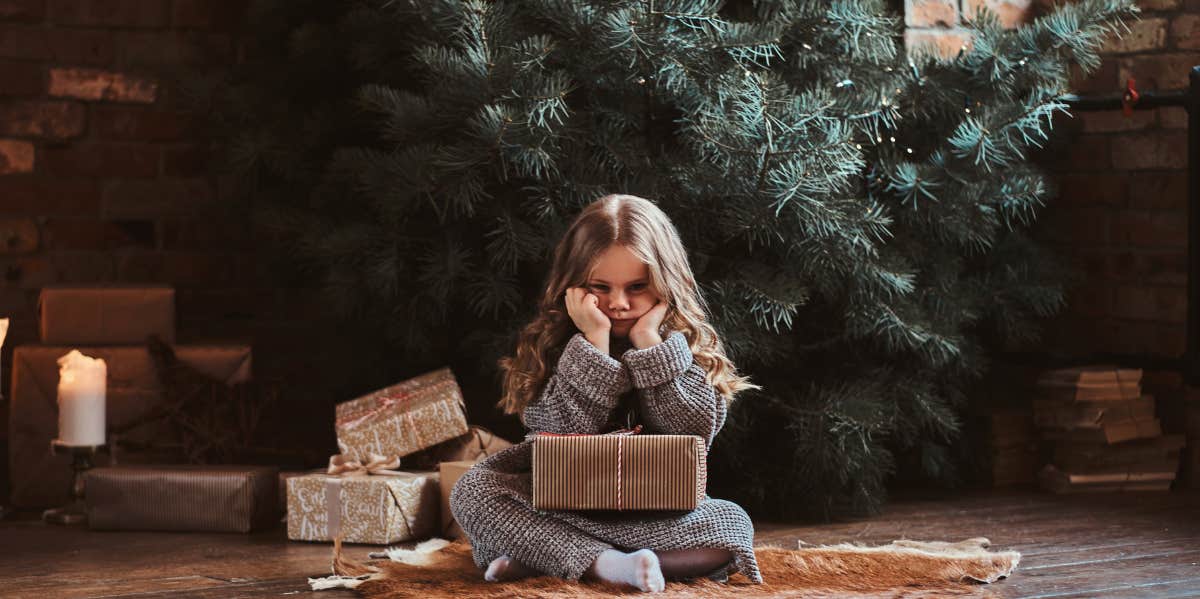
617, 302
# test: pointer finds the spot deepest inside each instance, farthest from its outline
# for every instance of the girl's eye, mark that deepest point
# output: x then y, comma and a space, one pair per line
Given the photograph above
603, 289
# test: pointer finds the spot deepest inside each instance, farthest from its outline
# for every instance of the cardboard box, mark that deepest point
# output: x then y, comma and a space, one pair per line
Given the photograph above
449, 473
106, 314
41, 479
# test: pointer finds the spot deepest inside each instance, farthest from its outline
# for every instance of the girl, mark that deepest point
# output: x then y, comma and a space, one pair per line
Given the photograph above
624, 324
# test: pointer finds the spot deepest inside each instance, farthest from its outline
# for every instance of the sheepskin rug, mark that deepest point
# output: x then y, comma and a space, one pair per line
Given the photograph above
438, 569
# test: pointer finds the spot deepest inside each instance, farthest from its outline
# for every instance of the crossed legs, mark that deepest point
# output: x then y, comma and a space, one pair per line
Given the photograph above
644, 568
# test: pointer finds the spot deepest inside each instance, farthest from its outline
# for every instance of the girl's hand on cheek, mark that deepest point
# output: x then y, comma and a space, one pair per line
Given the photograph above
645, 331
585, 312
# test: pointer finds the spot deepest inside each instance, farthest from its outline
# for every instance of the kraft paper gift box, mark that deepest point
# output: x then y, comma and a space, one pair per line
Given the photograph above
284, 475
618, 472
106, 314
448, 474
402, 419
364, 508
42, 479
476, 444
182, 498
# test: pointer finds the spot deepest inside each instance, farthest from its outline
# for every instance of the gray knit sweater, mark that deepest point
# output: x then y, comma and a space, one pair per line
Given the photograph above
667, 391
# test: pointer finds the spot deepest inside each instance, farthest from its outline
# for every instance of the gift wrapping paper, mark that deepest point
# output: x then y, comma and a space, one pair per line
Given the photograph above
402, 419
181, 498
364, 508
618, 472
477, 444
448, 474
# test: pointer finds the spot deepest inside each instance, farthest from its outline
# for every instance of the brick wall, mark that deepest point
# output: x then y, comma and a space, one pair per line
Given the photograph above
103, 178
1121, 216
103, 172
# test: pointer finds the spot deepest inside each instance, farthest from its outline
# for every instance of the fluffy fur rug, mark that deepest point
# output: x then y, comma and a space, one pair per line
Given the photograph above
439, 569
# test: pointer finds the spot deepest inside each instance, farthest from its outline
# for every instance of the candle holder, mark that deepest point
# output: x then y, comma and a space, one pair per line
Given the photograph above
74, 512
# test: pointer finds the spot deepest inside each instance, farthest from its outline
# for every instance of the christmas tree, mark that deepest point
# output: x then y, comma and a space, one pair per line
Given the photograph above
856, 216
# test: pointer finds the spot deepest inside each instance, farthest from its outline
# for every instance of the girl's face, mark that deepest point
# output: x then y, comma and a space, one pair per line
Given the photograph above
622, 283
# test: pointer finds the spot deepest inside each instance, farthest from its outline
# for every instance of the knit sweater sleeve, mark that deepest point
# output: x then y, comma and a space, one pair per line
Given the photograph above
582, 392
676, 398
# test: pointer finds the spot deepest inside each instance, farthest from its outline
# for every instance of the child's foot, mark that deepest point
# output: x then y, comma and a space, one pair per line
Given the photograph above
640, 569
506, 568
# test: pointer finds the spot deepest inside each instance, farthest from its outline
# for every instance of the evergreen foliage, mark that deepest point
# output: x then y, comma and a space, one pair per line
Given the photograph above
857, 218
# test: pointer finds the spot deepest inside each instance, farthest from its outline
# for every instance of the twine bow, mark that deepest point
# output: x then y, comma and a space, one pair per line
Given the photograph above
344, 465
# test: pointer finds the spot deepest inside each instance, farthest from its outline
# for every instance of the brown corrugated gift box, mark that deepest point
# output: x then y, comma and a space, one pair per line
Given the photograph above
42, 479
403, 418
181, 498
106, 314
618, 472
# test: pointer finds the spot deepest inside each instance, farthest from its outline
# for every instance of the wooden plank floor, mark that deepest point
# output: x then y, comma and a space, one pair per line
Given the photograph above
1113, 545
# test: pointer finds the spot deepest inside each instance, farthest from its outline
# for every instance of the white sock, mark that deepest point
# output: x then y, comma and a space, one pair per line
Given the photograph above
506, 568
497, 569
640, 569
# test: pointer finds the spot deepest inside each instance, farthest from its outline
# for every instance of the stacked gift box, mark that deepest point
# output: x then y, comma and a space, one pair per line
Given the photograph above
1102, 431
363, 496
118, 324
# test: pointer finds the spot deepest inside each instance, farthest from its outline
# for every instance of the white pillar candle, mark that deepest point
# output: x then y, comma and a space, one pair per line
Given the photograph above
81, 386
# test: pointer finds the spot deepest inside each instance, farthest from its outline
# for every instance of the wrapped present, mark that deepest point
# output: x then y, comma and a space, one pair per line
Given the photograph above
284, 475
622, 471
1151, 479
476, 444
181, 498
42, 479
1108, 432
448, 474
402, 419
106, 314
363, 503
1097, 456
1071, 415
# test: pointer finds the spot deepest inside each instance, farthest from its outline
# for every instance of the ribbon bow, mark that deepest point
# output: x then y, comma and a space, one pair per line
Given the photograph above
344, 465
384, 404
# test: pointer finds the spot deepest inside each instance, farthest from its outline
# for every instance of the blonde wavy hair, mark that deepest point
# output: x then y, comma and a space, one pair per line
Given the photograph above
643, 228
